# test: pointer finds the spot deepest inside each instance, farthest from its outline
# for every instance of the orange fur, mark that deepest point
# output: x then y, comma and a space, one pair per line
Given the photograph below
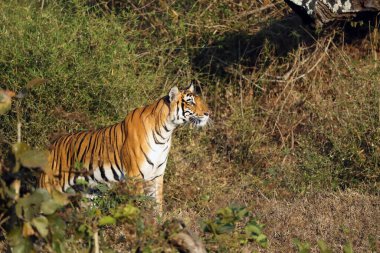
137, 147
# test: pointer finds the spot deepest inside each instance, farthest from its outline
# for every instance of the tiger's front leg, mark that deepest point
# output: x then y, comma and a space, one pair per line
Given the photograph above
154, 189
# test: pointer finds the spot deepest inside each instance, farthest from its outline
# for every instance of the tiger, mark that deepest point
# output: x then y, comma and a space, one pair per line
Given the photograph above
138, 147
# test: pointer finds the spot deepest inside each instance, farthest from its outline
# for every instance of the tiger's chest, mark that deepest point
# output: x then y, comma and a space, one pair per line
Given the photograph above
154, 162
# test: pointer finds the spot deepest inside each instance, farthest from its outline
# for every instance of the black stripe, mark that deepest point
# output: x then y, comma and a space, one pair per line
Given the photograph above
143, 110
133, 113
183, 108
102, 173
87, 147
138, 167
142, 174
75, 155
166, 128
158, 131
155, 139
91, 169
162, 162
102, 136
146, 157
155, 177
116, 163
178, 110
115, 175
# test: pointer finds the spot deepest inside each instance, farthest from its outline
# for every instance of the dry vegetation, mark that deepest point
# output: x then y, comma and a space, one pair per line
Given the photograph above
296, 112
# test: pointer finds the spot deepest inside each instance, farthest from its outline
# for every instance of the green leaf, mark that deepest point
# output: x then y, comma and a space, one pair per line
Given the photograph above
241, 213
29, 206
49, 206
303, 247
81, 181
347, 248
262, 240
60, 197
103, 188
107, 220
85, 229
225, 215
323, 248
252, 229
18, 243
41, 224
57, 227
225, 228
58, 246
209, 227
34, 158
128, 211
19, 148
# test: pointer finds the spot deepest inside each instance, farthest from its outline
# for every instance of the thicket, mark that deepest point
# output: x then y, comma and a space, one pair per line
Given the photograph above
294, 110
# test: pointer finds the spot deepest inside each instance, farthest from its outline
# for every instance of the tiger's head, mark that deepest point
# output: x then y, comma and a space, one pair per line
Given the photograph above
187, 107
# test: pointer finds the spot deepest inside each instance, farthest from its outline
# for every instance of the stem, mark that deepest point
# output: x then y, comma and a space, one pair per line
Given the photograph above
19, 132
96, 241
18, 121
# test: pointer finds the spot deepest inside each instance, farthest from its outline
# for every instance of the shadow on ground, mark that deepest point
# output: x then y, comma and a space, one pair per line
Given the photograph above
277, 39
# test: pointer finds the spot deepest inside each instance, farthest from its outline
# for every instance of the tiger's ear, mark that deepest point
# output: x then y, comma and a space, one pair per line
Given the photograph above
173, 94
191, 88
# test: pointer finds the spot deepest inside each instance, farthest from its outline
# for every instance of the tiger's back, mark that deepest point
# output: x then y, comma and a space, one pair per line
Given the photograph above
90, 155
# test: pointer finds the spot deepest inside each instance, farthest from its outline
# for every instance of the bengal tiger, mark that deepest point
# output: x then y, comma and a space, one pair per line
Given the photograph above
137, 147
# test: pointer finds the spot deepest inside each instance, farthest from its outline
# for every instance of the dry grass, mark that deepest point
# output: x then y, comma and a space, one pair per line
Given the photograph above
335, 218
295, 134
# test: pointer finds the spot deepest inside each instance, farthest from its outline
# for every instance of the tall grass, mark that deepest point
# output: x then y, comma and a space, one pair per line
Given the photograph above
295, 111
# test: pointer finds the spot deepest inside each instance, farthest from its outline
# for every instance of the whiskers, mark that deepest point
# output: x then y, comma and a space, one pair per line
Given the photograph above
194, 121
199, 122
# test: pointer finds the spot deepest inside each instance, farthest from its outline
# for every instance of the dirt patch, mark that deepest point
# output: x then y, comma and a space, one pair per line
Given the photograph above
336, 218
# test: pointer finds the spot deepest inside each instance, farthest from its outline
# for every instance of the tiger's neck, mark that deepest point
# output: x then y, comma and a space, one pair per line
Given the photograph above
148, 139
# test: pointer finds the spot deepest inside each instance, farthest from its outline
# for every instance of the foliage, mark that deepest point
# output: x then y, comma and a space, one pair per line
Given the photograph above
229, 219
295, 111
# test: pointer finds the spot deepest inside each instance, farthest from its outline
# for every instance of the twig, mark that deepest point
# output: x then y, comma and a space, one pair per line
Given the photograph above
96, 241
316, 64
19, 132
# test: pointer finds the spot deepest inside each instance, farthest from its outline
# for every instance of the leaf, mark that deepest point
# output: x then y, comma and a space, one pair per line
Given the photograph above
262, 240
252, 229
27, 229
103, 188
19, 148
323, 248
107, 220
24, 247
34, 158
35, 82
57, 227
28, 206
60, 197
41, 224
58, 246
128, 211
19, 243
225, 228
49, 206
5, 100
209, 227
241, 213
303, 247
347, 248
15, 186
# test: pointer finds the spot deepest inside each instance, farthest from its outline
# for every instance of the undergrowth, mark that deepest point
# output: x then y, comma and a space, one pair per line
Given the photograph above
295, 111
